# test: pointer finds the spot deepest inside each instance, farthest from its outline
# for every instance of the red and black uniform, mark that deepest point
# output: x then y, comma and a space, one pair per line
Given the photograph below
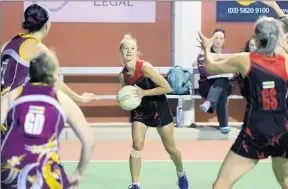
153, 111
265, 129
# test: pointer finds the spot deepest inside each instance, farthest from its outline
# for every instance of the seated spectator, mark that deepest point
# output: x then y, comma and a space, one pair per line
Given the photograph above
216, 88
250, 45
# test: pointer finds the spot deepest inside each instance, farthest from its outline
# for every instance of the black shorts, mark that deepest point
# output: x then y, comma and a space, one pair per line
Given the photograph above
156, 115
245, 147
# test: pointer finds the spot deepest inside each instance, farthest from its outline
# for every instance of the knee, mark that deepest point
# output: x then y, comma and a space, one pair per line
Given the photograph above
284, 182
138, 145
171, 149
222, 82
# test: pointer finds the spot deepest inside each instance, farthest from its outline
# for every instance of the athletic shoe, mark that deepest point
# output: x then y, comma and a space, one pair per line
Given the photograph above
224, 130
183, 182
134, 186
205, 106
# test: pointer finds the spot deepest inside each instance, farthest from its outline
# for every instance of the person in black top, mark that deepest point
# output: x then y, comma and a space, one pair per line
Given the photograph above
265, 129
153, 111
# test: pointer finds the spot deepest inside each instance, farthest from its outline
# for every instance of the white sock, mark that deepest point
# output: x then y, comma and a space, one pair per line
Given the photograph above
136, 183
181, 174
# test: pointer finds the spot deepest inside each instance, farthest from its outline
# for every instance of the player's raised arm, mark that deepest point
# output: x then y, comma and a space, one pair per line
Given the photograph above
233, 63
275, 7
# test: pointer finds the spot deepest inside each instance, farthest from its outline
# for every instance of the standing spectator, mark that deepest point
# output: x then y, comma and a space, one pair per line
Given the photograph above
215, 88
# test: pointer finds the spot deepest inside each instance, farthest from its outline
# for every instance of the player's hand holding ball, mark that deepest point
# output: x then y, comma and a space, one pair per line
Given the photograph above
129, 97
139, 92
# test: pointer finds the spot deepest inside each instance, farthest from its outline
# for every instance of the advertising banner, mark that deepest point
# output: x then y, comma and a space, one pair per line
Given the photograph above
100, 11
245, 11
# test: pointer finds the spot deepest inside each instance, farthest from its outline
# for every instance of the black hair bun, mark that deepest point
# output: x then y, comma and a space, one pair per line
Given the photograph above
35, 16
26, 25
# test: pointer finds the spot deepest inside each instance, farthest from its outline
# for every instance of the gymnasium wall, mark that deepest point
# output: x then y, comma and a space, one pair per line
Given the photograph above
97, 44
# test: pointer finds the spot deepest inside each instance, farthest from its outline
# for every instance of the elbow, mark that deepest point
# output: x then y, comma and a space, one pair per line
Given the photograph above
90, 141
169, 89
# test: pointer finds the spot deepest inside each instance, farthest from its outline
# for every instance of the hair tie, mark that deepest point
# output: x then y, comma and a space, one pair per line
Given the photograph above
32, 20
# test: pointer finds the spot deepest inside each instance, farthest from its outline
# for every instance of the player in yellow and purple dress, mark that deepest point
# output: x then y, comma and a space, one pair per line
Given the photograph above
36, 114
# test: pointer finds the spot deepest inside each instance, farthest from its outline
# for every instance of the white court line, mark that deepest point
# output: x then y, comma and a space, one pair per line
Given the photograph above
157, 161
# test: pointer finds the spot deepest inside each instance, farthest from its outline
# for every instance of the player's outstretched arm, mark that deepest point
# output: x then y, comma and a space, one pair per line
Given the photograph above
79, 125
163, 86
229, 65
84, 98
238, 62
221, 57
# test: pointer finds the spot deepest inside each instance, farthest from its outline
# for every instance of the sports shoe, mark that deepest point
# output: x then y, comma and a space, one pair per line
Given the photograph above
134, 186
224, 130
205, 106
183, 182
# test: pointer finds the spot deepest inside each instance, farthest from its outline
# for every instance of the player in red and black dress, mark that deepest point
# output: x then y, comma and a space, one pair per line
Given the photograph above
153, 111
265, 129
